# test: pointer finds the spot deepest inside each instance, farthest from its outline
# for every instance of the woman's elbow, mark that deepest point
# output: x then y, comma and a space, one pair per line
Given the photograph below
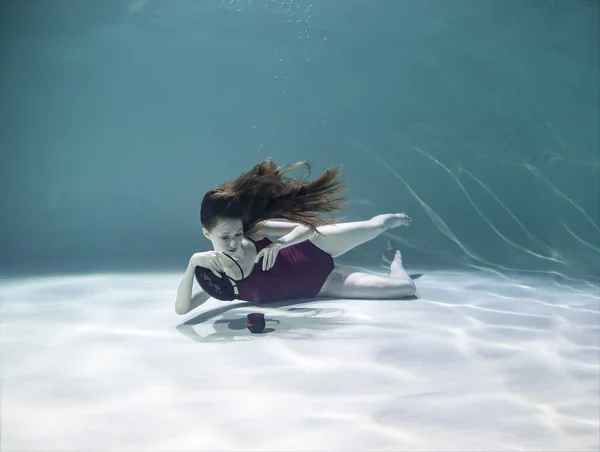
181, 310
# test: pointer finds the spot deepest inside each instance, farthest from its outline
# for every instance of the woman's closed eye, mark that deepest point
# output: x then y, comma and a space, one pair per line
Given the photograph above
237, 235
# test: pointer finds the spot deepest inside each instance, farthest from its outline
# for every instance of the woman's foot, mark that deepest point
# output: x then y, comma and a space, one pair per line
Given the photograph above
394, 220
397, 267
389, 253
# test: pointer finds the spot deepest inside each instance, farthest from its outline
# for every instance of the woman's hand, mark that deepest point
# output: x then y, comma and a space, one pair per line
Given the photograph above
268, 255
210, 260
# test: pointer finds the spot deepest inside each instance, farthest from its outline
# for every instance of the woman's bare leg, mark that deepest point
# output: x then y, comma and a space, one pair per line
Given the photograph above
398, 284
337, 239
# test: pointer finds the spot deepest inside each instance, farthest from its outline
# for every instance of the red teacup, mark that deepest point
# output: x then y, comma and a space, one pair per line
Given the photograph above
255, 322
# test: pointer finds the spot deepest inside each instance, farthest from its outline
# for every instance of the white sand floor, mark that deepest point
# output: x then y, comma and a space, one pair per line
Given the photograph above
479, 362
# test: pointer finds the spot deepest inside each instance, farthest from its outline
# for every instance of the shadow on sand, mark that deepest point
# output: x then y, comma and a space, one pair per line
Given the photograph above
296, 322
228, 323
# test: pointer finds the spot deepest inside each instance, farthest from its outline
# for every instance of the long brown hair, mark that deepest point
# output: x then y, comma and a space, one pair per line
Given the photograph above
265, 192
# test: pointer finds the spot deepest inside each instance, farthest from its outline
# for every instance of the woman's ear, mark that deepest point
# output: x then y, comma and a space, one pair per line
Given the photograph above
205, 232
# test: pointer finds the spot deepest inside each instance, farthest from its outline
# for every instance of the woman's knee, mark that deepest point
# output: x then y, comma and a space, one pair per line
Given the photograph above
363, 285
408, 288
399, 288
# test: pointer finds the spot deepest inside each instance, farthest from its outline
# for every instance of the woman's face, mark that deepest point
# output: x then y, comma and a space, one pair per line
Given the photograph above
227, 236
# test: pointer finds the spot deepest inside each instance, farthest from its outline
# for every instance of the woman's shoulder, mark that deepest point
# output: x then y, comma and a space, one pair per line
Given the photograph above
260, 242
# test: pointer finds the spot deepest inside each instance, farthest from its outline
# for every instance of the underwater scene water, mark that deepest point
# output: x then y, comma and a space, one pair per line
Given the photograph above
478, 118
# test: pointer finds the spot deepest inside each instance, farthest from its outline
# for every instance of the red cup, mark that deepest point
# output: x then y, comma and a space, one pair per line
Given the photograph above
255, 322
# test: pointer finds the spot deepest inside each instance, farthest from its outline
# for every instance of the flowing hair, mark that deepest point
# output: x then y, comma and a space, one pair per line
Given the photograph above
265, 192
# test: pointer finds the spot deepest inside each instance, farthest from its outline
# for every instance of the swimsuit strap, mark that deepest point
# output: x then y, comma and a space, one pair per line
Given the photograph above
236, 263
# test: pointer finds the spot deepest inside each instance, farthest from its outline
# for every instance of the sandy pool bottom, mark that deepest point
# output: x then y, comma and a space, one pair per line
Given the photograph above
478, 362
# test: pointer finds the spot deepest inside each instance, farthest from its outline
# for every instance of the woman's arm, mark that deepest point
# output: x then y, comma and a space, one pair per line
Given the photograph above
277, 228
189, 295
289, 233
298, 234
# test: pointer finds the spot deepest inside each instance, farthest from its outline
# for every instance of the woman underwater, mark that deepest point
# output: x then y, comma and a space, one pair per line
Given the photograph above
238, 216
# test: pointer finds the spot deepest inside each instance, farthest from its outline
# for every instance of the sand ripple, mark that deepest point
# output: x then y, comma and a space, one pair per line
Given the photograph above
101, 362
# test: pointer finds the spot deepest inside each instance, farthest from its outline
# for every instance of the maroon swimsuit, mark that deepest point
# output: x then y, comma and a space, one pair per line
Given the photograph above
299, 272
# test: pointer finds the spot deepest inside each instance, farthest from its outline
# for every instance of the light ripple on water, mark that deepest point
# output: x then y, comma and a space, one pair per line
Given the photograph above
100, 362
